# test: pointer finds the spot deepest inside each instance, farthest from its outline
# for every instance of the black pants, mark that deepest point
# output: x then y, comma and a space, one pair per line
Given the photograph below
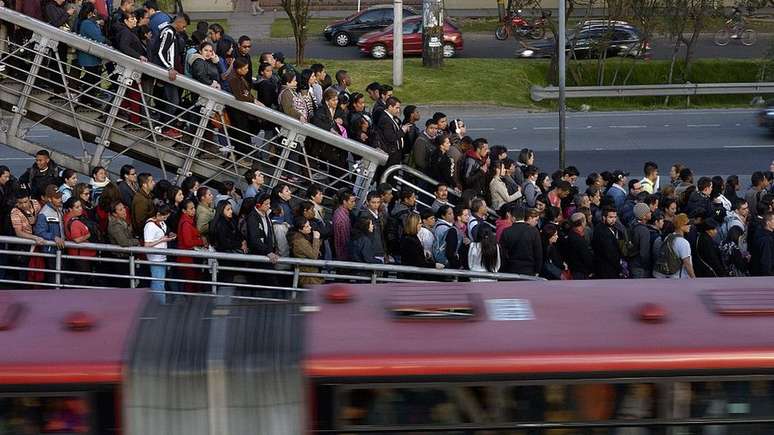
91, 78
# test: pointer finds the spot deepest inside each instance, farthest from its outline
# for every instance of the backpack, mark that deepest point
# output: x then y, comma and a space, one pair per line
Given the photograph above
667, 261
626, 245
439, 245
394, 231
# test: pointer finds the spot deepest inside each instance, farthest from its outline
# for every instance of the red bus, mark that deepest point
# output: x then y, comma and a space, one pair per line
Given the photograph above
570, 357
639, 357
62, 359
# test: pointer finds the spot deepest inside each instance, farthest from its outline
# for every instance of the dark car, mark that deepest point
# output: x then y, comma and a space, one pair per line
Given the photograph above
766, 117
347, 31
379, 44
586, 41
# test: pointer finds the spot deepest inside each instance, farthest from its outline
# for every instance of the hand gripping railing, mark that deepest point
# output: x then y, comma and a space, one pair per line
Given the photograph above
126, 113
213, 269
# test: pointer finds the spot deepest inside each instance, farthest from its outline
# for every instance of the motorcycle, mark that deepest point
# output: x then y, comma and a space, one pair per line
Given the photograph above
518, 25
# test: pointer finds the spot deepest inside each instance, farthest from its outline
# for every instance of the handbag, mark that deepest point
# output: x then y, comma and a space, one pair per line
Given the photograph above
217, 120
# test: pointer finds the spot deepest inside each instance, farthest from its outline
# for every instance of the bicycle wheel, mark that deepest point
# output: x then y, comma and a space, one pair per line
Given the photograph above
749, 37
722, 37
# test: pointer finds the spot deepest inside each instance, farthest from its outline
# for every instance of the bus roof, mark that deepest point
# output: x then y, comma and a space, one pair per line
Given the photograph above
39, 347
558, 327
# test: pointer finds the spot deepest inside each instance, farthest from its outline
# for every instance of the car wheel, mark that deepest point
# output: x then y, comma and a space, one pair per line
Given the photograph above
379, 51
448, 50
341, 39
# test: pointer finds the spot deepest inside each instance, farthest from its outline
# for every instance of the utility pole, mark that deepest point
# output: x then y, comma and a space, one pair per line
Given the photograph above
397, 44
561, 44
432, 33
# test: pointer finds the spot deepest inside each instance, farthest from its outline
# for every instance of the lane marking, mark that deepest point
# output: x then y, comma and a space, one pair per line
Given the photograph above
515, 128
748, 146
627, 126
667, 125
481, 129
545, 128
702, 125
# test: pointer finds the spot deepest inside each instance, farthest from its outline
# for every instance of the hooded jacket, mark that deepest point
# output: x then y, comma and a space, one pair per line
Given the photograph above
37, 180
48, 225
204, 71
471, 172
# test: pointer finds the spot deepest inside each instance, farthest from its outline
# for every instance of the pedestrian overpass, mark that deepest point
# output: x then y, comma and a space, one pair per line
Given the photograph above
39, 87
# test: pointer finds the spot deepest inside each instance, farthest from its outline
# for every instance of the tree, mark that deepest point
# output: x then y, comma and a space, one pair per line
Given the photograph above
685, 20
298, 13
432, 33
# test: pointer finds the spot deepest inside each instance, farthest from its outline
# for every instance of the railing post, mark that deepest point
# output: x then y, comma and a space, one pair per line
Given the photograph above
296, 279
42, 44
207, 106
289, 141
126, 78
58, 268
214, 275
364, 177
373, 276
132, 272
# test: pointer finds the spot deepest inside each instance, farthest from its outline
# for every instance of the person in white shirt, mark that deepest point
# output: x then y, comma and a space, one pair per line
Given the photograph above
155, 236
425, 234
484, 254
681, 247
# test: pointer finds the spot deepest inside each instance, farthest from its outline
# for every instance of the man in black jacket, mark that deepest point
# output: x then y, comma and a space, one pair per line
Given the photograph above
260, 233
577, 251
168, 52
474, 167
41, 174
521, 246
607, 256
390, 132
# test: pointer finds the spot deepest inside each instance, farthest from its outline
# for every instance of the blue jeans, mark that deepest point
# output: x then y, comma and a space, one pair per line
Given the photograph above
161, 273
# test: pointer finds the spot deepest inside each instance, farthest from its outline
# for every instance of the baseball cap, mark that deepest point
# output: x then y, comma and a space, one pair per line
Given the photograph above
619, 175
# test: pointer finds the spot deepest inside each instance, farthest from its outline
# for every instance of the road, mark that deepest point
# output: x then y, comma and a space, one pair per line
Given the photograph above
711, 142
480, 45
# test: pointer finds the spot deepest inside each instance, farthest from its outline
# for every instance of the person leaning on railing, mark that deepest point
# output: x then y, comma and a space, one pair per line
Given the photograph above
188, 238
77, 231
119, 230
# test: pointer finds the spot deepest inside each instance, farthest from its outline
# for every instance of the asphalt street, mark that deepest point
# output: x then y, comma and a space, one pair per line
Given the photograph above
711, 142
481, 45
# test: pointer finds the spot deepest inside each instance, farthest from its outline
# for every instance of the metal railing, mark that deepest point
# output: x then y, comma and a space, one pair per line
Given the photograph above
126, 113
399, 174
539, 93
123, 265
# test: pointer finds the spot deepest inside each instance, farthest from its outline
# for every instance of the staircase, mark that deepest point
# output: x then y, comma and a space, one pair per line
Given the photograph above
120, 114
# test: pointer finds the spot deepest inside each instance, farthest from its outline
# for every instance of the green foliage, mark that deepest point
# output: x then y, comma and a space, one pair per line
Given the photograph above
281, 27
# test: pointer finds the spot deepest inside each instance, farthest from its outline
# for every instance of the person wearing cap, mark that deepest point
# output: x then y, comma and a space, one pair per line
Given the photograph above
577, 251
617, 191
708, 259
643, 236
626, 212
681, 247
607, 256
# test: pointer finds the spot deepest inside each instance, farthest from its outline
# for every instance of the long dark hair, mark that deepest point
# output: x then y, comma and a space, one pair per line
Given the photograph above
489, 254
218, 221
86, 9
360, 228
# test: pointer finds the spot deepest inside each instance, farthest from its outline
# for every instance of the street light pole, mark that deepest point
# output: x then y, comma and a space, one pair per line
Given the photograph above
561, 44
397, 44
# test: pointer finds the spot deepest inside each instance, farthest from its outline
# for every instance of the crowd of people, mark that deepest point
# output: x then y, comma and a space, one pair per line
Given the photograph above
547, 223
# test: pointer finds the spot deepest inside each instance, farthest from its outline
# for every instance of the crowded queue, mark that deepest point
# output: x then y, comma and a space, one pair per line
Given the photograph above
547, 223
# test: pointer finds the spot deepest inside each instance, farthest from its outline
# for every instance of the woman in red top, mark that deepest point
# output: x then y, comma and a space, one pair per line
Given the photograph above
77, 231
188, 237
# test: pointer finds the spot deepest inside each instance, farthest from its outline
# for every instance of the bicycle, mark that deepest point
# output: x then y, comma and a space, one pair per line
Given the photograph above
735, 30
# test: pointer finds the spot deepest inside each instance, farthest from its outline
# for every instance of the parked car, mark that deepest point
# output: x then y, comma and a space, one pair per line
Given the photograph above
379, 44
619, 37
347, 31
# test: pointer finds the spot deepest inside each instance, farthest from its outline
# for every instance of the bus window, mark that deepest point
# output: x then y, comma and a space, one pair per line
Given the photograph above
25, 415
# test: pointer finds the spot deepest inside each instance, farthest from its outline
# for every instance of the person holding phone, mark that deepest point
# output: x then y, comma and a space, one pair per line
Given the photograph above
156, 236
